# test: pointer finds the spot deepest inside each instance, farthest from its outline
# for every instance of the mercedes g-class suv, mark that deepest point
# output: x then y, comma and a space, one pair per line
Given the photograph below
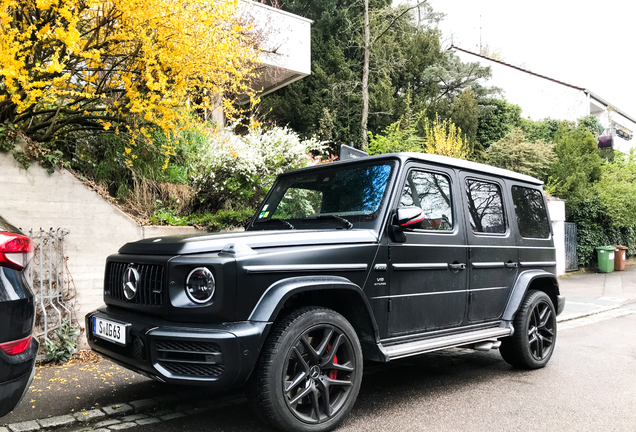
375, 258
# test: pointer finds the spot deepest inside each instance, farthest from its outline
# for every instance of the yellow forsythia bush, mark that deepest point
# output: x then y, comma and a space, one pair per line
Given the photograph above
121, 65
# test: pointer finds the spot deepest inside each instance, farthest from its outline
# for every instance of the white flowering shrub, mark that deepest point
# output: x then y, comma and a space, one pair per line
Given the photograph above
234, 172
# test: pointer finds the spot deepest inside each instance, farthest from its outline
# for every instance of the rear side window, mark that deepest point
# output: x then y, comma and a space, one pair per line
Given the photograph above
485, 207
532, 218
432, 193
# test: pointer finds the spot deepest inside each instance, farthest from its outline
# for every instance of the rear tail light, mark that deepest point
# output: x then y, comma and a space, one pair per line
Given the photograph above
15, 250
16, 347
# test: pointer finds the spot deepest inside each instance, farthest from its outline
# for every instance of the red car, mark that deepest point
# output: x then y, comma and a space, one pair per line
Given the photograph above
18, 348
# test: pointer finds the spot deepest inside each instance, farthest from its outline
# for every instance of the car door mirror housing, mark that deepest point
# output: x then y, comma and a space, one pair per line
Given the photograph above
410, 217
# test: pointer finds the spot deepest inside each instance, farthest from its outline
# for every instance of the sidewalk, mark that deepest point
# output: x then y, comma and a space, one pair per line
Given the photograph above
591, 293
107, 396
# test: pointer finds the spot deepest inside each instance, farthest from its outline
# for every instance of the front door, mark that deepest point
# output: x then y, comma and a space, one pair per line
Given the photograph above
427, 271
493, 260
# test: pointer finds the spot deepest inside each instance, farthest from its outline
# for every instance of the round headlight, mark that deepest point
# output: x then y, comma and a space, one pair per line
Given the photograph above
200, 285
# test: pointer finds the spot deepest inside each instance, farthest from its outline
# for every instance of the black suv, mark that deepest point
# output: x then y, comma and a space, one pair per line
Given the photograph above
375, 258
17, 313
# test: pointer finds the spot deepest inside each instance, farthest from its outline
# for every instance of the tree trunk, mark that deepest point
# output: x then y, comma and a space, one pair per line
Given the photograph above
365, 76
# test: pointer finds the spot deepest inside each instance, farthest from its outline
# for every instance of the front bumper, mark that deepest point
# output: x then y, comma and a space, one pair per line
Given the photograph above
215, 355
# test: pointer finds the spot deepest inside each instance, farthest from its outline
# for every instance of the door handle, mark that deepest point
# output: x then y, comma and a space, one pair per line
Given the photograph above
511, 265
457, 266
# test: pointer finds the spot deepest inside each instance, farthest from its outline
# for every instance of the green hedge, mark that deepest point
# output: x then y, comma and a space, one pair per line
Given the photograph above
594, 228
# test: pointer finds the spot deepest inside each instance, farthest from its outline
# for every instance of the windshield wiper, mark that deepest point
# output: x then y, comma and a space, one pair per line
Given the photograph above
284, 222
346, 222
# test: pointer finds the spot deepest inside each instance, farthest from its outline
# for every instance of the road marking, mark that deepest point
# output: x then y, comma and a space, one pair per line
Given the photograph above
614, 299
592, 319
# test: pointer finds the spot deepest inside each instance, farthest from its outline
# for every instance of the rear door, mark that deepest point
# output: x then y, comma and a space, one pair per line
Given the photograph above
427, 271
533, 231
493, 259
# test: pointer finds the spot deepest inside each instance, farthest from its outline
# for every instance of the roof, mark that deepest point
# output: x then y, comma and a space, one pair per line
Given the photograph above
583, 89
472, 166
438, 160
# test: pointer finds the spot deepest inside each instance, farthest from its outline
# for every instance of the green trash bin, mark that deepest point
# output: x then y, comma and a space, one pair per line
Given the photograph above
605, 258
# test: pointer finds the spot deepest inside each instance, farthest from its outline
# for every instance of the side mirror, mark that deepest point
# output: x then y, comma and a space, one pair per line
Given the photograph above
410, 217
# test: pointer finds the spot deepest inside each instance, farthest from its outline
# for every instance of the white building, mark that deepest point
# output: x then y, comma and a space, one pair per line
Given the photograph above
540, 97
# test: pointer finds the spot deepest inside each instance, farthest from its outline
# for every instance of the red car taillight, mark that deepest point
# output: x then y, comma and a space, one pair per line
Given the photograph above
16, 347
15, 250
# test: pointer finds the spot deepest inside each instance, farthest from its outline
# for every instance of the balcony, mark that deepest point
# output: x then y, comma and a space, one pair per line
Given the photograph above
285, 41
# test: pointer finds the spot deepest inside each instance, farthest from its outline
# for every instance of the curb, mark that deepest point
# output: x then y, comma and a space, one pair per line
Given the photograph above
595, 311
122, 416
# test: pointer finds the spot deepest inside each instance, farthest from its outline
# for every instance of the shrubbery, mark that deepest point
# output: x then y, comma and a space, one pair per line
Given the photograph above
234, 172
212, 180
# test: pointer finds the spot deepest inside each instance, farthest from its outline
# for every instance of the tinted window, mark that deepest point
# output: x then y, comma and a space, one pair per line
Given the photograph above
532, 218
485, 207
309, 198
432, 193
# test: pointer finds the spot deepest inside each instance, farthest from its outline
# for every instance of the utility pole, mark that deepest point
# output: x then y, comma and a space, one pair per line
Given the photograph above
480, 35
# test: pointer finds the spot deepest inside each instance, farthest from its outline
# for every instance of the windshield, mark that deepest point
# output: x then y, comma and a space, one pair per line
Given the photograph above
335, 196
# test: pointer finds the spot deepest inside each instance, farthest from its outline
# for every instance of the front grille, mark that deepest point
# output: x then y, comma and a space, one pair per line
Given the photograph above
149, 285
191, 359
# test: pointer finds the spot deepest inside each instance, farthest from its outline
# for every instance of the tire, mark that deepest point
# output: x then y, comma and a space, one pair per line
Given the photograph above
532, 344
309, 373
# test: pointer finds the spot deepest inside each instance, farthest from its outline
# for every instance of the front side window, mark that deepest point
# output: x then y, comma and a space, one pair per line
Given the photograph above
532, 217
485, 207
327, 195
432, 193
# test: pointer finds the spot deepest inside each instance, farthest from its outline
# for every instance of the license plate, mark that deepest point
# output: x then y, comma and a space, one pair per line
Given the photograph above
110, 330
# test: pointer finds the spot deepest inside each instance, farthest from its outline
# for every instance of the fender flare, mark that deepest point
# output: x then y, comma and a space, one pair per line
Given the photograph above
520, 288
274, 297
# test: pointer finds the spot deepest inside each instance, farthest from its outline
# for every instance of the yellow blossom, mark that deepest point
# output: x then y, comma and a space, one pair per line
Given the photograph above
119, 73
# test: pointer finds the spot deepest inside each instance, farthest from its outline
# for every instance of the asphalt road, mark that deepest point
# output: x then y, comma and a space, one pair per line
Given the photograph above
589, 385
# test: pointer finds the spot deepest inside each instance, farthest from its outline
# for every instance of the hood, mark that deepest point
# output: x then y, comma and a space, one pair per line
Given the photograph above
188, 244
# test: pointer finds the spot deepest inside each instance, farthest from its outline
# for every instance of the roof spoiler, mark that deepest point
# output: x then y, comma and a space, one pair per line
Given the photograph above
348, 152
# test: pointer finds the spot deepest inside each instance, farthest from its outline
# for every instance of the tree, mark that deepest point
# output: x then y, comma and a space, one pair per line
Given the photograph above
405, 58
592, 124
578, 166
401, 136
394, 15
617, 189
497, 118
438, 137
545, 129
516, 153
72, 67
445, 139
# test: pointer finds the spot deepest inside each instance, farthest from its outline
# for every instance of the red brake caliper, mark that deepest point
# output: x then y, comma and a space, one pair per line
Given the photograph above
334, 373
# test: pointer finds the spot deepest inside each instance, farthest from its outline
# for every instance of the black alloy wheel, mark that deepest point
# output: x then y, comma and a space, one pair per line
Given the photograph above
310, 372
541, 331
318, 377
532, 344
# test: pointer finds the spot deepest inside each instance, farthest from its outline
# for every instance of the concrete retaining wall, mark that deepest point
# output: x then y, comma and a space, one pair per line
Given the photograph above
32, 199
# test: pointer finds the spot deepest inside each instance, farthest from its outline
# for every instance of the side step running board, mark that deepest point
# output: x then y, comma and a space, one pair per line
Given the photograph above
423, 346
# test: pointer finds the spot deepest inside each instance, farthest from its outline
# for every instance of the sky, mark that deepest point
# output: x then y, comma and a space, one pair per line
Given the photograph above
589, 44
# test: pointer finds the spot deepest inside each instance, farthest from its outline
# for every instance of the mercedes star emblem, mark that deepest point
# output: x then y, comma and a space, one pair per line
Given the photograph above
131, 278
